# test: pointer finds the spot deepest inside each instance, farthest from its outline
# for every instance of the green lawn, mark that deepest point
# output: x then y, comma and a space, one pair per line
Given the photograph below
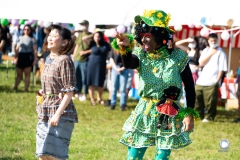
96, 135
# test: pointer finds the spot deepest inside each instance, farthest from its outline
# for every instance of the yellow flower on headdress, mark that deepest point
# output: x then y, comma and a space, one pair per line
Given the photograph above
159, 23
159, 15
167, 19
149, 13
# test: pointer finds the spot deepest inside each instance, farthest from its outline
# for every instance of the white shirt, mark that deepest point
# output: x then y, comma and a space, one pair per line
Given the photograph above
15, 34
211, 69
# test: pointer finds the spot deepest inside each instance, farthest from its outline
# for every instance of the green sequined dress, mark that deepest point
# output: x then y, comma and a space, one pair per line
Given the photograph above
156, 74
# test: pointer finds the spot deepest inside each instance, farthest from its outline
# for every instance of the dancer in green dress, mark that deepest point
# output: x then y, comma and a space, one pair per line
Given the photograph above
158, 119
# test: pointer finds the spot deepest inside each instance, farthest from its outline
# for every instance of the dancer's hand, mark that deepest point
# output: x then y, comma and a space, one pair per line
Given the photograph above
122, 40
54, 120
188, 122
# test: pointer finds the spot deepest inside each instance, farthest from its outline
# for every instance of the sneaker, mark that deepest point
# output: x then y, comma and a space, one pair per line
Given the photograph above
76, 95
107, 103
73, 98
112, 107
205, 120
237, 120
82, 98
123, 108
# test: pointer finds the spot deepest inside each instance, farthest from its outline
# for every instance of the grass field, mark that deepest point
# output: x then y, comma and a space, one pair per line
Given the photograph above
96, 135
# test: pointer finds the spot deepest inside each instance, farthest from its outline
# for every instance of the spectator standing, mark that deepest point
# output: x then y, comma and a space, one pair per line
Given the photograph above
56, 112
96, 66
119, 78
16, 32
193, 52
40, 37
26, 57
8, 37
213, 61
80, 61
2, 43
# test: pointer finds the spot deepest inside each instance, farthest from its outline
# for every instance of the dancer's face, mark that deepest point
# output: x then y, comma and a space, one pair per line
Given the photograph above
149, 43
55, 40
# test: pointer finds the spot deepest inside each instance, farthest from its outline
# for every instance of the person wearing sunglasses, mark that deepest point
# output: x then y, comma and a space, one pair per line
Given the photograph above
25, 57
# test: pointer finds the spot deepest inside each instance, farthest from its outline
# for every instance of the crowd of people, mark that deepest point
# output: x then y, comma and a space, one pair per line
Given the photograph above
76, 63
208, 65
92, 56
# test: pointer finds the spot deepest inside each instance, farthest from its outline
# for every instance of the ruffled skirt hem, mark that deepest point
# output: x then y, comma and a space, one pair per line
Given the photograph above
139, 140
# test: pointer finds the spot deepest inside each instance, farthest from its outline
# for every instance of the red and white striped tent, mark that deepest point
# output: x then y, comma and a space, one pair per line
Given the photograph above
188, 32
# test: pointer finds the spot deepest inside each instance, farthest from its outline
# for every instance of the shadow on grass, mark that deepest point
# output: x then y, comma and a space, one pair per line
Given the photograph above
4, 88
9, 89
4, 67
9, 158
224, 115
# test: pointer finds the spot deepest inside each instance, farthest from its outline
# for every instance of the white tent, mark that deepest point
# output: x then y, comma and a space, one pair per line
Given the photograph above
120, 11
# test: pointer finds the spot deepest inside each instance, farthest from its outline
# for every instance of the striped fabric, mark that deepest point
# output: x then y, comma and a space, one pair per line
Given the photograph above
58, 75
188, 32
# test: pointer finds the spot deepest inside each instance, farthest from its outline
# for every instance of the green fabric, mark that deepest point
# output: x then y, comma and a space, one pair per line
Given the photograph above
82, 46
155, 18
141, 129
168, 69
136, 153
206, 98
126, 49
162, 154
161, 53
187, 111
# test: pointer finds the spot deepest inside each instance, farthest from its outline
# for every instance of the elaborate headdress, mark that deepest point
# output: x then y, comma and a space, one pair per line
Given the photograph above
154, 22
155, 18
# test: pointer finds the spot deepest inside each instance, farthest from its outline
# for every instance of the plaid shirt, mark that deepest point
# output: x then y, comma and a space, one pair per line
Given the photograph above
57, 76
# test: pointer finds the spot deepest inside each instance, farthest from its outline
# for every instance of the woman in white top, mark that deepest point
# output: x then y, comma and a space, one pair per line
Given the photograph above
193, 50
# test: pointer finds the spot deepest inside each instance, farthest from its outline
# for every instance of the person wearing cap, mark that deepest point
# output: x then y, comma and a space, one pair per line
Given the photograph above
80, 58
158, 119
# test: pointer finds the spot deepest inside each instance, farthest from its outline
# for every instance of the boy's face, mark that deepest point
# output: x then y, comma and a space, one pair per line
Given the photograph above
212, 41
